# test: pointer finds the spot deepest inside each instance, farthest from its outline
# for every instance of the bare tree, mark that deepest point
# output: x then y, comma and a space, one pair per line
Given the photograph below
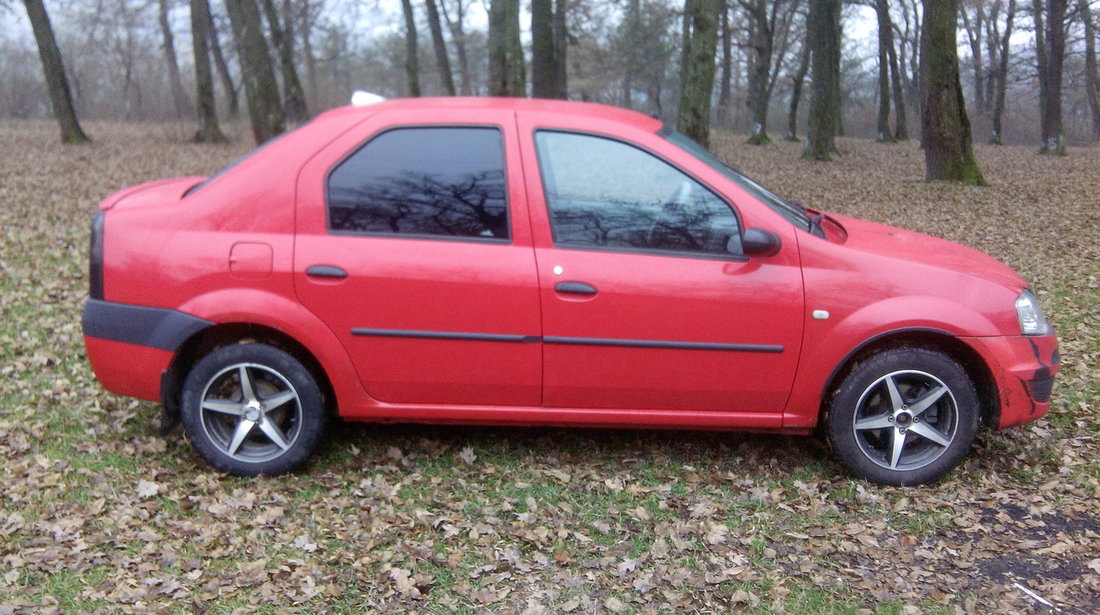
974, 27
697, 67
56, 81
442, 60
458, 36
1092, 87
209, 131
264, 110
1000, 83
223, 69
179, 95
796, 91
1054, 138
294, 97
885, 44
945, 128
547, 49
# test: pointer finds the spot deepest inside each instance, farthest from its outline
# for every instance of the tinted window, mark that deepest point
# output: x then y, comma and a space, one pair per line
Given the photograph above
604, 193
423, 181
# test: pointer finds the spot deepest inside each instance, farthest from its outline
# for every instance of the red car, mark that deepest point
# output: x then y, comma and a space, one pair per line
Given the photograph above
525, 262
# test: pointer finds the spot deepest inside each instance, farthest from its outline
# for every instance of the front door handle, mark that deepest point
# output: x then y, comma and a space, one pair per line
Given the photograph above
575, 288
326, 271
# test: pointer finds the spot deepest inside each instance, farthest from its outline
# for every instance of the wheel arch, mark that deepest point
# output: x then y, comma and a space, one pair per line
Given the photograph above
929, 339
211, 338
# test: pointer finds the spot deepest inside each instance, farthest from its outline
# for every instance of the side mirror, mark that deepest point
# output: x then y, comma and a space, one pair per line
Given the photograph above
757, 241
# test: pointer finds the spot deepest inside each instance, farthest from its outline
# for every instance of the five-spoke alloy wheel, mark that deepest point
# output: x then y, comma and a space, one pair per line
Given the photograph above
903, 417
252, 409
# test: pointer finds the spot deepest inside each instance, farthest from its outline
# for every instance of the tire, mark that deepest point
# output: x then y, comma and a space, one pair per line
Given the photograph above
268, 426
905, 416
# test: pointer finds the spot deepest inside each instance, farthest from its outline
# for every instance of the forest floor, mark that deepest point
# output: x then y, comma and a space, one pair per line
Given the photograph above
99, 514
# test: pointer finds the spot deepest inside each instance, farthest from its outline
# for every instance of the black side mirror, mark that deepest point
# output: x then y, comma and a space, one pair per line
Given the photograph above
757, 241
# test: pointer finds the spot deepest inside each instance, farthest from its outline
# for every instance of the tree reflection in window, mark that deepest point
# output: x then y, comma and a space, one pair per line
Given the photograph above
604, 193
423, 181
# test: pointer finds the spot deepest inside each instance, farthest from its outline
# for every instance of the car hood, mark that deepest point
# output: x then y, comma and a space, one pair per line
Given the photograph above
892, 242
151, 193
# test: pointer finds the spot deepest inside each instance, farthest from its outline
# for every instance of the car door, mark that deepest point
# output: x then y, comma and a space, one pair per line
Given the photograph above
645, 306
413, 246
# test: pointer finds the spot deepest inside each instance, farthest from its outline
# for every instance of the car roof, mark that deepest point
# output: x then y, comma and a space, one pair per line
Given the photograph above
593, 111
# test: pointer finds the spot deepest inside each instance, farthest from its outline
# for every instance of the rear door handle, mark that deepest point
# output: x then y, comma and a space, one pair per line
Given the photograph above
326, 271
575, 288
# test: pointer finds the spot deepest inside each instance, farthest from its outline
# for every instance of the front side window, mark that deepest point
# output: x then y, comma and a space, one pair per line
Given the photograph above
606, 194
432, 181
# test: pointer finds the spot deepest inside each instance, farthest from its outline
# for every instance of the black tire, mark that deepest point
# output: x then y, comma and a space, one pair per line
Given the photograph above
268, 426
905, 416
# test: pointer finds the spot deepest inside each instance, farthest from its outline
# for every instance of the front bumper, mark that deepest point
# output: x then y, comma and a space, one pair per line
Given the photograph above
1023, 369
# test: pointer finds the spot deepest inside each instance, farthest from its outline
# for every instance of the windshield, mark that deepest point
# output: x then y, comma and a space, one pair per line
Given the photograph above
793, 212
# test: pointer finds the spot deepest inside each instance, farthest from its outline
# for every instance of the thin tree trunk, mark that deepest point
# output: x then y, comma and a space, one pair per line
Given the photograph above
458, 36
53, 67
974, 38
561, 50
796, 92
412, 60
294, 97
725, 93
441, 59
179, 95
209, 131
1092, 87
1042, 60
230, 88
1054, 137
824, 39
1002, 76
261, 89
945, 128
885, 43
901, 128
760, 71
698, 68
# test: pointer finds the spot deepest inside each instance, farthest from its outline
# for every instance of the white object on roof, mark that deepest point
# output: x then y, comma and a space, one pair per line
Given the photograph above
359, 98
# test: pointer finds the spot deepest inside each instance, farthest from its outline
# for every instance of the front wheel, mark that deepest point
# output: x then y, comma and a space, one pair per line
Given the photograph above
903, 417
252, 409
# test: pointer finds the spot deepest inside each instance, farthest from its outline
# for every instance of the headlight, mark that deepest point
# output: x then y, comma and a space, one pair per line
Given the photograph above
1032, 320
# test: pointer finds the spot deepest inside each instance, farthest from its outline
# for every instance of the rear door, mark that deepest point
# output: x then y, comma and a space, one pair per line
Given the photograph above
413, 246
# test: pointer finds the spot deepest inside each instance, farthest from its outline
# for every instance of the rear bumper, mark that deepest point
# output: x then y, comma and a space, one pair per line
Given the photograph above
129, 346
1023, 370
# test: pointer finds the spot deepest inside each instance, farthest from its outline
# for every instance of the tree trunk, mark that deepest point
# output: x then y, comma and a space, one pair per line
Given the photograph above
209, 131
561, 50
506, 63
824, 40
179, 95
458, 35
698, 69
885, 43
1054, 137
945, 128
1002, 76
223, 71
973, 29
725, 92
294, 97
412, 60
901, 128
264, 109
1042, 60
760, 71
1092, 87
543, 59
56, 81
796, 92
441, 59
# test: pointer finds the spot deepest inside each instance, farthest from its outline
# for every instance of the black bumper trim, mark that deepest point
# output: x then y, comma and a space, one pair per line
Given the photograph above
139, 325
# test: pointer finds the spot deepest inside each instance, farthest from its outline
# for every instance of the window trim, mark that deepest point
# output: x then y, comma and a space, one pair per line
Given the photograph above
501, 132
543, 174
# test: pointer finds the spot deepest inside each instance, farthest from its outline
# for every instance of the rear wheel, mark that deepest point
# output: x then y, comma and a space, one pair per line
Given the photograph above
903, 417
252, 409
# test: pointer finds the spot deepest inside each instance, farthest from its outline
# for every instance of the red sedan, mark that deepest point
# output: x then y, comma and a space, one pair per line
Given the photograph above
509, 261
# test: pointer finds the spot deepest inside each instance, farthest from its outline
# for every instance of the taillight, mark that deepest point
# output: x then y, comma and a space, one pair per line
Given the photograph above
95, 258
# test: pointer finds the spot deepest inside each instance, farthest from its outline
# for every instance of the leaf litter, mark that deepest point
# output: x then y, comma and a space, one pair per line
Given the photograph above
101, 515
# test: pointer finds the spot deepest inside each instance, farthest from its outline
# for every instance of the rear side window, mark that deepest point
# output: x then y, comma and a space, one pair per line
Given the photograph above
433, 181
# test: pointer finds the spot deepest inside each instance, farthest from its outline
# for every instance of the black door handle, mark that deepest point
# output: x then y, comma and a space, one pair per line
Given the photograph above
576, 288
326, 271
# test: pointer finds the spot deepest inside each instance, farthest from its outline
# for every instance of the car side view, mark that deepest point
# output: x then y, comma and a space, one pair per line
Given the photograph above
527, 262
